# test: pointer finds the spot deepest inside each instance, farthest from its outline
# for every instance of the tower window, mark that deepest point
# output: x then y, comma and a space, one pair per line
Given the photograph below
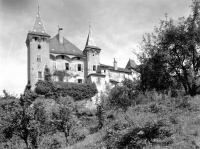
79, 67
66, 66
94, 68
79, 80
39, 46
39, 58
40, 74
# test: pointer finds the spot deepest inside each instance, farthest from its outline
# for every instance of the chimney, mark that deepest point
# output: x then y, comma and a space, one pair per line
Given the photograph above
60, 34
115, 64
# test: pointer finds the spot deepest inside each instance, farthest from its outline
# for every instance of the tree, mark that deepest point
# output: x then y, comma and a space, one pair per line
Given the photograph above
19, 120
47, 74
154, 75
64, 119
178, 44
123, 96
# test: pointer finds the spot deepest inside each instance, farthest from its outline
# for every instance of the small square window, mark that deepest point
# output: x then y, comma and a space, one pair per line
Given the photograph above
39, 59
78, 58
62, 56
39, 46
79, 80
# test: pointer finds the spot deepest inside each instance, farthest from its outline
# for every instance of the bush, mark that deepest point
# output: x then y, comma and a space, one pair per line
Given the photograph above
45, 87
75, 90
123, 96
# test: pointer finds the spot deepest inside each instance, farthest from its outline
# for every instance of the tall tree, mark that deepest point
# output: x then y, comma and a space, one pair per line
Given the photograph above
178, 43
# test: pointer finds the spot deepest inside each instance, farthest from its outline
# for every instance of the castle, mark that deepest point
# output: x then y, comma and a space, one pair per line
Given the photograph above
57, 53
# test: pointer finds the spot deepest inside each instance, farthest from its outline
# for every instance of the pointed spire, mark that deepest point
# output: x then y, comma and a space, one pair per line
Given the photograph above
90, 39
38, 25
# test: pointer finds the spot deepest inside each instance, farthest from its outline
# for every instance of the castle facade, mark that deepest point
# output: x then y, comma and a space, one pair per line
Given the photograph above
59, 54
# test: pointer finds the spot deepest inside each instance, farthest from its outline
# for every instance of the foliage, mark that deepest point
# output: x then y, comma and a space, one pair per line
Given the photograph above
100, 115
176, 46
64, 119
44, 87
19, 121
47, 74
124, 95
78, 91
62, 74
154, 74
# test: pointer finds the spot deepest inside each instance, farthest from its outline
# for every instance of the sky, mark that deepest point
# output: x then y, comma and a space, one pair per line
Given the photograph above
117, 25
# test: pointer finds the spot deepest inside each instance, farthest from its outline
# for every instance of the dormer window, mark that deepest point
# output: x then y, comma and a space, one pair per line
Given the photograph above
39, 46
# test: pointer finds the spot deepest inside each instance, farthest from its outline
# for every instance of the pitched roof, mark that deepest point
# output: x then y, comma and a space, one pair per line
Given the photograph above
131, 64
66, 48
38, 25
118, 69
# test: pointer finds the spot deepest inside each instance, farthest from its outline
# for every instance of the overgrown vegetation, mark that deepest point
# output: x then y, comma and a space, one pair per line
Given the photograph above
160, 110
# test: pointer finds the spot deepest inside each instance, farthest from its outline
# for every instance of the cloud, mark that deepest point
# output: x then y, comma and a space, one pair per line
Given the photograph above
117, 25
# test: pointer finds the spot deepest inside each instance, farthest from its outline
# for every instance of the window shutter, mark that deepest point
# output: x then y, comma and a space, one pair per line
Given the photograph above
82, 67
75, 67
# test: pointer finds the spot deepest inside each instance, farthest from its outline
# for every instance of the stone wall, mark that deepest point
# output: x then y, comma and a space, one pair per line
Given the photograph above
37, 47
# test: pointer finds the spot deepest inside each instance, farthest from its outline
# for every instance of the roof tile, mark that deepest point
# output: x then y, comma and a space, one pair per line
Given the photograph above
66, 48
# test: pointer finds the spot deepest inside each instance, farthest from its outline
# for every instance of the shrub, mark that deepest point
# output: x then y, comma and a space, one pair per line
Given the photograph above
123, 96
75, 90
44, 87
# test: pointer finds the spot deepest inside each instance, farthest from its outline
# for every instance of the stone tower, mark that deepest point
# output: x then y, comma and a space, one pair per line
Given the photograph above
92, 53
37, 42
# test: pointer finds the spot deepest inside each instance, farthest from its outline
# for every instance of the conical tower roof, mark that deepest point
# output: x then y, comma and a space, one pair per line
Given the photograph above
90, 40
38, 25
